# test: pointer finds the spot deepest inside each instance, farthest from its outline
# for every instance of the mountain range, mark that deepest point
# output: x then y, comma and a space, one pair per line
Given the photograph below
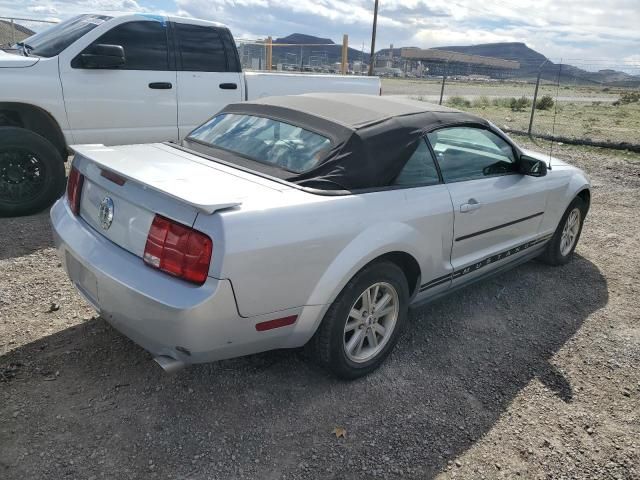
530, 60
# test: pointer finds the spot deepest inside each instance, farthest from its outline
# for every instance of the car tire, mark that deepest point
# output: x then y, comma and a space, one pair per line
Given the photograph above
334, 345
565, 239
32, 172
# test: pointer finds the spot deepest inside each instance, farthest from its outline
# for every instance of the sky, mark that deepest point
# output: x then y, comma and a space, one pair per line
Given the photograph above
591, 34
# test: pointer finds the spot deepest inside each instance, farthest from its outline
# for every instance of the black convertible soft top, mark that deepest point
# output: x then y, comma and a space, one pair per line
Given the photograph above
372, 137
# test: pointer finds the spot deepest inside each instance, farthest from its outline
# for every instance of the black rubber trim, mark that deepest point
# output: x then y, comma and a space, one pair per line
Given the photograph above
161, 85
475, 234
483, 263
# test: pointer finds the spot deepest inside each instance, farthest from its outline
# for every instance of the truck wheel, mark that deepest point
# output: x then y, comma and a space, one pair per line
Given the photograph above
31, 172
565, 239
363, 324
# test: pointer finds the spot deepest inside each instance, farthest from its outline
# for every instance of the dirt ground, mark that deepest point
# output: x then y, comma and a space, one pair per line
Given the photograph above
532, 374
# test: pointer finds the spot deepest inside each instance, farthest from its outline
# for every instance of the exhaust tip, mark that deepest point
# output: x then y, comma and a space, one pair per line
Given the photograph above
168, 364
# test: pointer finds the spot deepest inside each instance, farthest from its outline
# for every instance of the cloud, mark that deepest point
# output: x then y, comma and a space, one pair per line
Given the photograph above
590, 31
585, 30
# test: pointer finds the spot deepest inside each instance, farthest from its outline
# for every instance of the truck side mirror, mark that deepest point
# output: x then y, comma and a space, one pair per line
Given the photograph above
103, 56
532, 166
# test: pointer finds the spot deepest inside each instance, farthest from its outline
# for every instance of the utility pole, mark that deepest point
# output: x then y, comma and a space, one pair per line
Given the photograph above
345, 54
373, 38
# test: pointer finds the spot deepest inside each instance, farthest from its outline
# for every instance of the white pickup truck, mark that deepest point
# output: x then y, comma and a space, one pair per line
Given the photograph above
121, 79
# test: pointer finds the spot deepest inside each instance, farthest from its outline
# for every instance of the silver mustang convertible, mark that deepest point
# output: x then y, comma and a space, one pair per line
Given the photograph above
306, 220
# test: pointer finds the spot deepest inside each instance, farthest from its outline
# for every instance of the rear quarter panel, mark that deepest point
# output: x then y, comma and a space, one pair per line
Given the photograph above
303, 250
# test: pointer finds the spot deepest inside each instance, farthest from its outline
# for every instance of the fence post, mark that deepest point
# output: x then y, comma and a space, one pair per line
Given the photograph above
444, 76
345, 49
301, 59
533, 104
535, 96
269, 53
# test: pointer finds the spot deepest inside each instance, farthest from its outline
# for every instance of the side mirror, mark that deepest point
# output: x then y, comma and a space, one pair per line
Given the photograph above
103, 56
532, 166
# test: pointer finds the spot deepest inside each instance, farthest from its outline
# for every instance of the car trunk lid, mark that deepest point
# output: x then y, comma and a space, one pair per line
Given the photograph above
126, 186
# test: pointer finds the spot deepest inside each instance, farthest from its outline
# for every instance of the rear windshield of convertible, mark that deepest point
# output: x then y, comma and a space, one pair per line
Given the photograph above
264, 140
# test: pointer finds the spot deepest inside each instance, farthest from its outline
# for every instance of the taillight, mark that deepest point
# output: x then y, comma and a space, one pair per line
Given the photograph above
74, 190
178, 250
114, 177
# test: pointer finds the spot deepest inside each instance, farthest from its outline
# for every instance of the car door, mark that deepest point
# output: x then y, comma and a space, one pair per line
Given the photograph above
497, 211
429, 212
209, 75
131, 103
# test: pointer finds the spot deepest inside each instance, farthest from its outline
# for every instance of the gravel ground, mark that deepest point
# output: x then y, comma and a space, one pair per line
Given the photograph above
533, 374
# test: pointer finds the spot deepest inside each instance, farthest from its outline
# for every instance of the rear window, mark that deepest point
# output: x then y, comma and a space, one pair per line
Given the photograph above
201, 48
264, 140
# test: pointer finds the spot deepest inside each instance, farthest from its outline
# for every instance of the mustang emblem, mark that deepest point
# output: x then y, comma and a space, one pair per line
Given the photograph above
105, 213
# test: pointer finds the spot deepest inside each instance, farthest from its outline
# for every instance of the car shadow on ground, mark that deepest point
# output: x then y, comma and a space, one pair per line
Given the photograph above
88, 395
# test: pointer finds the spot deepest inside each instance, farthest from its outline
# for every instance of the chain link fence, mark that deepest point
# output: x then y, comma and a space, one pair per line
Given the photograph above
280, 55
575, 101
15, 29
581, 102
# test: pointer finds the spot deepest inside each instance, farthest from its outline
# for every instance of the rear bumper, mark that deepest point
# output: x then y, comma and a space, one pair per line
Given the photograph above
164, 315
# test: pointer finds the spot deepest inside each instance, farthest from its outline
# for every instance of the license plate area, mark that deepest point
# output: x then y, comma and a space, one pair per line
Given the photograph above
83, 279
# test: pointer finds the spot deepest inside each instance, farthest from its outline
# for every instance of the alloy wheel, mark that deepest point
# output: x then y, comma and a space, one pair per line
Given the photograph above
570, 232
371, 322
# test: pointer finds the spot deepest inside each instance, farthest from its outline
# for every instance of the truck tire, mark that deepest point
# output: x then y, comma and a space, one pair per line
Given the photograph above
356, 335
32, 172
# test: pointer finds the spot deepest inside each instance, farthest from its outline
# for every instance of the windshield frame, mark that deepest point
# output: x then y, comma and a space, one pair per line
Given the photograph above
57, 38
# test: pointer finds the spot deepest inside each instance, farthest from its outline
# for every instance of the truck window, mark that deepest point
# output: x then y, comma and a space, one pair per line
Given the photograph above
200, 48
144, 44
54, 40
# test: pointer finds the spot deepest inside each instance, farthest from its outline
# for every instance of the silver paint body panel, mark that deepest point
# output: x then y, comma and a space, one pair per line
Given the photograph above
278, 250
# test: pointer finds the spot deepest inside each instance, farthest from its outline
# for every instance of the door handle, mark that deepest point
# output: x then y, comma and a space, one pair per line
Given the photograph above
161, 85
228, 86
471, 206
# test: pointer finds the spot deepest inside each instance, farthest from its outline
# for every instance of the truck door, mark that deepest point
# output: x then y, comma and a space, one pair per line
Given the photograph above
209, 75
130, 103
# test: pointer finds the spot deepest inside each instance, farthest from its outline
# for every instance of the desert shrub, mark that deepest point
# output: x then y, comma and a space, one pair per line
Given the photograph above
503, 102
481, 102
627, 98
458, 102
520, 104
545, 103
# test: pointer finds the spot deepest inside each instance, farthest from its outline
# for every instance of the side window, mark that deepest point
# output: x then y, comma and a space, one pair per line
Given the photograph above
144, 44
419, 169
201, 48
467, 153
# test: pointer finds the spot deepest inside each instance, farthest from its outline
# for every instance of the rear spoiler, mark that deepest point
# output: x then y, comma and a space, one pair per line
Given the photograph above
171, 187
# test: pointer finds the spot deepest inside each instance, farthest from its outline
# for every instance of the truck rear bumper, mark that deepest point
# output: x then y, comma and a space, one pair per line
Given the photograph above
166, 316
